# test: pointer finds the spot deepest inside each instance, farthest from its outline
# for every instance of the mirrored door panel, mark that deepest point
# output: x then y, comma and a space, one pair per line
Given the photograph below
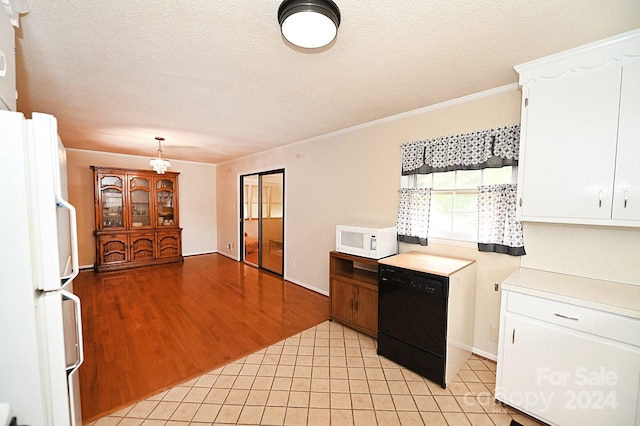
271, 235
263, 220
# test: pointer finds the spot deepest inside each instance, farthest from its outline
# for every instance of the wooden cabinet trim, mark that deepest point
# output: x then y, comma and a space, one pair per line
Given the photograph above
164, 242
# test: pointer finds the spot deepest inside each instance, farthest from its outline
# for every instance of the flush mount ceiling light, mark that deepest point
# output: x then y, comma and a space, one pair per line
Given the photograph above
309, 23
159, 164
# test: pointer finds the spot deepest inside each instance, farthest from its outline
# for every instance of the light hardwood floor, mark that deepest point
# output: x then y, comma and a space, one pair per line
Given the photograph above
151, 328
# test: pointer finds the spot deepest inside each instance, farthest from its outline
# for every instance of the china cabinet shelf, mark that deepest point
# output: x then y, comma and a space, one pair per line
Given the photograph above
136, 215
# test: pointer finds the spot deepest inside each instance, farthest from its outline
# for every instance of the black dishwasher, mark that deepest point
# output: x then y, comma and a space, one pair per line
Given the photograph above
412, 320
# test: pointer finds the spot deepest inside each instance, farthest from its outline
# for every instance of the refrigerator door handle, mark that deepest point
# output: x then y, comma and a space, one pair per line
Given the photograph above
74, 239
79, 341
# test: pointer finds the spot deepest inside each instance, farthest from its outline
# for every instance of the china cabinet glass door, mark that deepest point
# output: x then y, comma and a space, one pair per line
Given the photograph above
140, 201
164, 194
111, 196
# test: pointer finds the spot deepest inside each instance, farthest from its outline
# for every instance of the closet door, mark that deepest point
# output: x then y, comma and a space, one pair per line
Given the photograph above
262, 221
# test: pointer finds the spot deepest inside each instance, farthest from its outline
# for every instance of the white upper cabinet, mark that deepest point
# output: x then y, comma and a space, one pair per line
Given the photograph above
626, 190
7, 64
580, 141
10, 11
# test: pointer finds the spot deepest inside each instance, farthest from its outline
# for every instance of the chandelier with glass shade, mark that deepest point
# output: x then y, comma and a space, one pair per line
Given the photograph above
159, 164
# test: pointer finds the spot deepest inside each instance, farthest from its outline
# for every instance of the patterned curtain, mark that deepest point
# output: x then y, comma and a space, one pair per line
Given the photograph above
498, 229
469, 151
413, 215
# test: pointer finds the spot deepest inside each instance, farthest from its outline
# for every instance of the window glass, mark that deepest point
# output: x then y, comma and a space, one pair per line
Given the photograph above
468, 178
441, 201
496, 176
454, 199
466, 223
444, 180
466, 202
440, 220
424, 181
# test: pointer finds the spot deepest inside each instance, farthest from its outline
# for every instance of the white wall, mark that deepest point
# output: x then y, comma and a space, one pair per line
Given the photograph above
197, 189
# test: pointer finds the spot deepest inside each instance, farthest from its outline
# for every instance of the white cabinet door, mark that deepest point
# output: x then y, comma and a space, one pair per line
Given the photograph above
569, 147
565, 377
626, 197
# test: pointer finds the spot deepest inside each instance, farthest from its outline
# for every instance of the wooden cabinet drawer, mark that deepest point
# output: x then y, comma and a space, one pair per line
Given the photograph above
599, 323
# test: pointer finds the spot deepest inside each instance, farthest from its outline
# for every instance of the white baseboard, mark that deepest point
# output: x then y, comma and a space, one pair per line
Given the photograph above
199, 253
228, 255
307, 286
484, 354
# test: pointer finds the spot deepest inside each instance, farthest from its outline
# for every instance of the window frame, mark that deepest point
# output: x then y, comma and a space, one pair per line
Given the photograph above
411, 181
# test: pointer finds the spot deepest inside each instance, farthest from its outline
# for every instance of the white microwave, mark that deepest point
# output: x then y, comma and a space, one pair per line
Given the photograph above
374, 243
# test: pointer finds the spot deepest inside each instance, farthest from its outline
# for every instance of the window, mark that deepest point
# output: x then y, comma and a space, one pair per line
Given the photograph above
454, 199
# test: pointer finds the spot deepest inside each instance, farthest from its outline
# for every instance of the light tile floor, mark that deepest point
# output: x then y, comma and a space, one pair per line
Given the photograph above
329, 374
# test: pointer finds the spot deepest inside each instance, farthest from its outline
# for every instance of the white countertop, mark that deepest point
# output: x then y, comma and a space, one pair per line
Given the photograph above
608, 296
423, 262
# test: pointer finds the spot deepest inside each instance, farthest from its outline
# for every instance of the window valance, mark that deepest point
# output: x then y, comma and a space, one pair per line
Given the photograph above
469, 151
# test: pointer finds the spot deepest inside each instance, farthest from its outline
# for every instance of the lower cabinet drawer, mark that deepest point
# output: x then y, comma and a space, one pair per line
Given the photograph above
603, 324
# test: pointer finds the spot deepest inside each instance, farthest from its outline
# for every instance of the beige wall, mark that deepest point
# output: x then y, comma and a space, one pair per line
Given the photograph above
353, 177
197, 186
606, 253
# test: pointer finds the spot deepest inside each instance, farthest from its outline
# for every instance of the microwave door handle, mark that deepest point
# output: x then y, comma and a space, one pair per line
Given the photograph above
74, 239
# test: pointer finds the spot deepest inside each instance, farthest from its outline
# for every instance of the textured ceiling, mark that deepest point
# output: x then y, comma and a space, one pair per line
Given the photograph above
218, 81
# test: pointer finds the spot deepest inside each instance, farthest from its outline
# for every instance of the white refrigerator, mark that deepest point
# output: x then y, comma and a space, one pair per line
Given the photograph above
40, 320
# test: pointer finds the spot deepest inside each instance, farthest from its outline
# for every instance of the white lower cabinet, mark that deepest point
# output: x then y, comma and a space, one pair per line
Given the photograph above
566, 364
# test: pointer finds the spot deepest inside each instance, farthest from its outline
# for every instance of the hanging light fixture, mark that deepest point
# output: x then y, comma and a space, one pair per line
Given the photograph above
309, 23
159, 164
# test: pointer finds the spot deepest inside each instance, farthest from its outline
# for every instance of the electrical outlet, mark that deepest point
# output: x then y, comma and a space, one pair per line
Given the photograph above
293, 263
496, 286
229, 246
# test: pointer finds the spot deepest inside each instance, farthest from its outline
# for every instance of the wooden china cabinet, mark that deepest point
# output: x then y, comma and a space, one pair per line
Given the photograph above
136, 218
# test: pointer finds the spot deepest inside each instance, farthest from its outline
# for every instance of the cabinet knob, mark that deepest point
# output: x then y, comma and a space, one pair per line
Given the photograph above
626, 198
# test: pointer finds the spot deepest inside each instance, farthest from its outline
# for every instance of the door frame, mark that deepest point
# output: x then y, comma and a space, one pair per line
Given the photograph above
261, 173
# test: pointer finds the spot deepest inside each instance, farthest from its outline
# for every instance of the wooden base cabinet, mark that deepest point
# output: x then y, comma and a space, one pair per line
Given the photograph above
168, 244
136, 218
353, 292
112, 249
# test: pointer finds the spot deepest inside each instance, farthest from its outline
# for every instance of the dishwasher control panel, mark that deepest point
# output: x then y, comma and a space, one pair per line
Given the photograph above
424, 283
